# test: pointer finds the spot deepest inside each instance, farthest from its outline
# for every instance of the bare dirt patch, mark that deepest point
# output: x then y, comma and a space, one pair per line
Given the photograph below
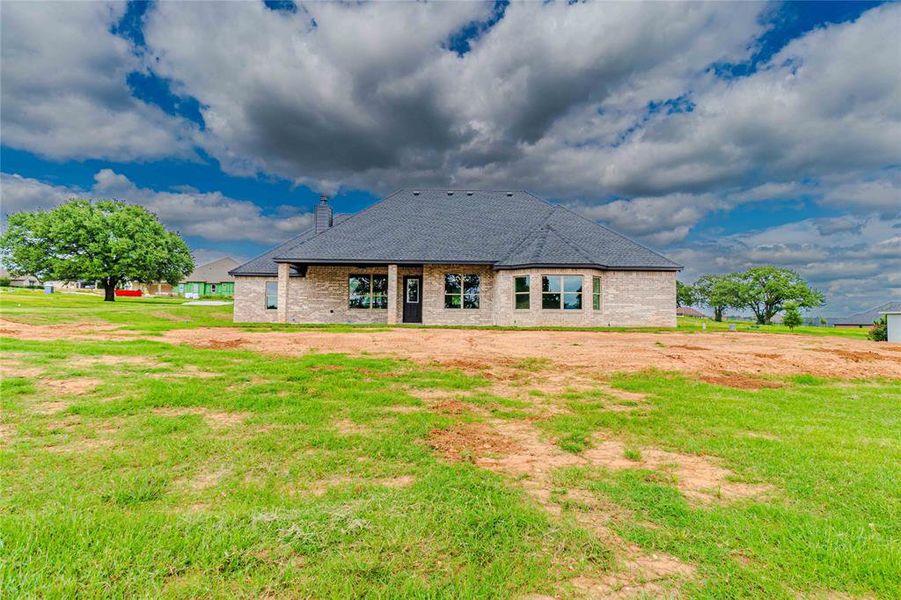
598, 352
451, 406
51, 407
650, 575
11, 366
81, 445
348, 427
106, 359
699, 478
80, 330
515, 448
21, 371
853, 355
205, 479
688, 347
470, 440
7, 433
404, 409
74, 386
520, 452
220, 344
216, 419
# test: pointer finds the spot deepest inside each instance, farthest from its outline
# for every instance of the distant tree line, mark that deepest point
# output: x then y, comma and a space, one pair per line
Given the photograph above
765, 291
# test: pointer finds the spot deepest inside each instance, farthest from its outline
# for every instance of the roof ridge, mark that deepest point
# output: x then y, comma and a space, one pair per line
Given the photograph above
262, 254
526, 236
351, 217
584, 218
579, 249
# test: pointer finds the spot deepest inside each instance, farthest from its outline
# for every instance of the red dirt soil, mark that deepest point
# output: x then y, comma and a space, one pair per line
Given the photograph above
594, 352
586, 351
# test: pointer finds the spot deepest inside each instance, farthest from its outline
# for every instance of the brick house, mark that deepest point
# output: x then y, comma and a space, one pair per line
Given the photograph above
455, 257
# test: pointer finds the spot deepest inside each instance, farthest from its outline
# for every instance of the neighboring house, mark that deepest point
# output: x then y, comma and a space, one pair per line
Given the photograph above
449, 257
20, 280
687, 311
211, 279
866, 318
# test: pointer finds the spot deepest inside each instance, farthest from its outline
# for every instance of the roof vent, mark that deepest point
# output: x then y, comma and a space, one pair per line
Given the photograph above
450, 192
509, 194
469, 193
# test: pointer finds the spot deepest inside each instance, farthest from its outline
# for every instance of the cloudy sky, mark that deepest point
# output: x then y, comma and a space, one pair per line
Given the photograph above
723, 134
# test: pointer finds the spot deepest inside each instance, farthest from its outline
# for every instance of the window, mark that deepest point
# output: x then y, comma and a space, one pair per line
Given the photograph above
412, 291
213, 288
561, 292
461, 291
521, 288
596, 293
367, 291
271, 294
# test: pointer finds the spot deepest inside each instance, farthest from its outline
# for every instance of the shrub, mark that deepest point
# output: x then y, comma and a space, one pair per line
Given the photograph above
4, 281
792, 316
879, 330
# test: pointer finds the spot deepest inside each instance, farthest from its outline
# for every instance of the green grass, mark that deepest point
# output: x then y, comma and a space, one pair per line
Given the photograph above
156, 315
220, 473
692, 324
118, 494
830, 450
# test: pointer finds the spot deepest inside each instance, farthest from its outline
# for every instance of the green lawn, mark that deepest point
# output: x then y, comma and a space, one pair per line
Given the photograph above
156, 315
141, 468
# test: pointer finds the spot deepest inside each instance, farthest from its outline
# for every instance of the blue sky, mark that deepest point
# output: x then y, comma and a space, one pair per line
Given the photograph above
724, 135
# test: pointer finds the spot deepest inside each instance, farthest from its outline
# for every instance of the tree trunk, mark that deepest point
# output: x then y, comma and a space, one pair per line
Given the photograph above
717, 313
109, 290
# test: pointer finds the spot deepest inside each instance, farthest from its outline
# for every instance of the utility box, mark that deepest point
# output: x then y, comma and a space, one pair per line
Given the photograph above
48, 289
893, 326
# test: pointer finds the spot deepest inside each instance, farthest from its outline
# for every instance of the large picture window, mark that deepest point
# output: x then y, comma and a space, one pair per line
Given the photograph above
461, 291
367, 291
522, 286
271, 295
561, 292
596, 293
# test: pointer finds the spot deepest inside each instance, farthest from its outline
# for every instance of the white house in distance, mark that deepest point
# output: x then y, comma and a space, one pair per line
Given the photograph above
458, 257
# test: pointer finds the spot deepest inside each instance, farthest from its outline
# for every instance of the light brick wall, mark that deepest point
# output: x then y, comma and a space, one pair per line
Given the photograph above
507, 314
629, 298
433, 311
250, 300
640, 298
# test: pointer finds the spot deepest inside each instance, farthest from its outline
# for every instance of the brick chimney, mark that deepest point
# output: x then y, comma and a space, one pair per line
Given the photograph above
323, 215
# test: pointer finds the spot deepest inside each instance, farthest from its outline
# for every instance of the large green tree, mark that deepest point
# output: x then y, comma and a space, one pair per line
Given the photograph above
107, 241
685, 294
766, 290
719, 292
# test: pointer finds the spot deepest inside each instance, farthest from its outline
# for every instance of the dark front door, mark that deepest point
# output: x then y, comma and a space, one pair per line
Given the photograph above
413, 299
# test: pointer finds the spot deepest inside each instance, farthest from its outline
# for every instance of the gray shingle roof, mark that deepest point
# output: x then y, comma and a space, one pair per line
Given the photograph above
214, 272
505, 229
263, 264
866, 317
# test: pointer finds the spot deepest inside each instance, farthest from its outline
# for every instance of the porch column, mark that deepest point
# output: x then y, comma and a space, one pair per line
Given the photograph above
284, 272
392, 294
